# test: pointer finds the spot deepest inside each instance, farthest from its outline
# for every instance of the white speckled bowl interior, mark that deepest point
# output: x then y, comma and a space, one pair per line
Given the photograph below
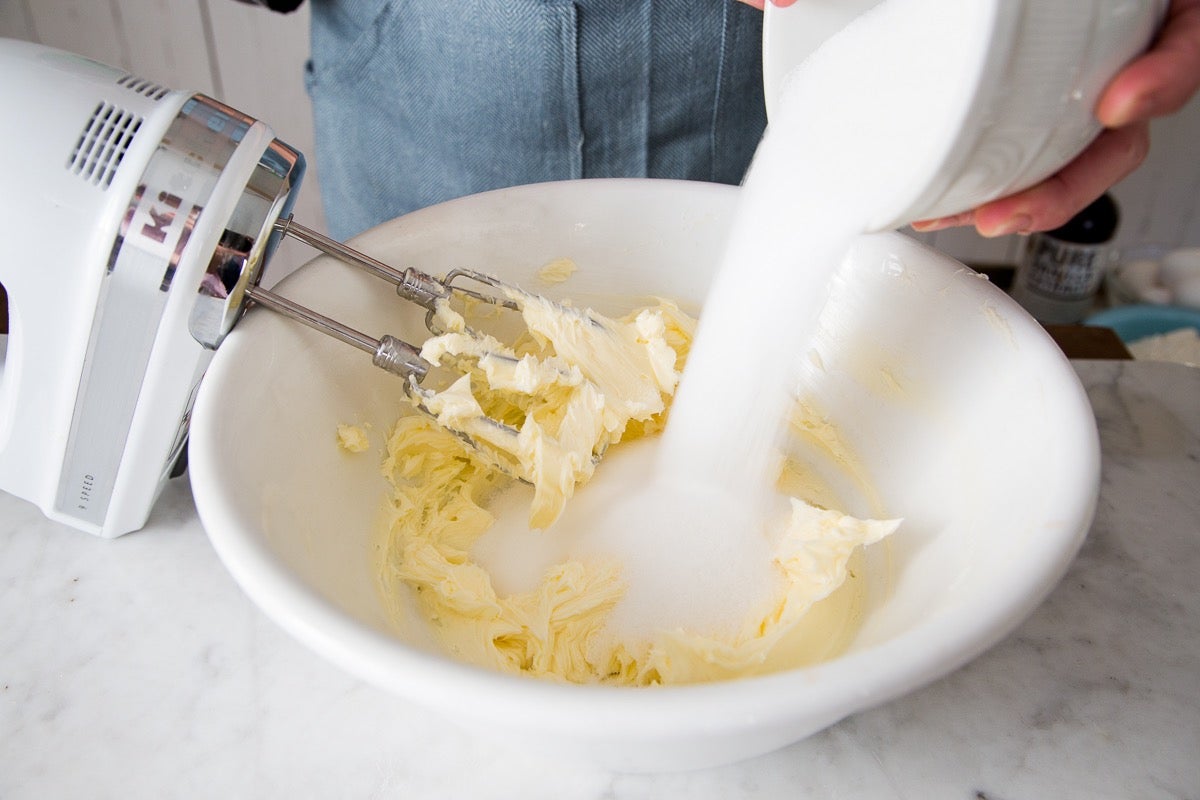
963, 416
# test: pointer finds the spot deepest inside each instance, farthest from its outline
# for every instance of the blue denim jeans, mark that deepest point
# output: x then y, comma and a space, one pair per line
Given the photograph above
419, 101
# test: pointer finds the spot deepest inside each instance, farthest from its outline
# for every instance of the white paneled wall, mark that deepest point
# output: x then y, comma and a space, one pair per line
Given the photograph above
253, 60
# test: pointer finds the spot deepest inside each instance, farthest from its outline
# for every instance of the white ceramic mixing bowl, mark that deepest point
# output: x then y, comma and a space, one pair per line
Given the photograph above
961, 415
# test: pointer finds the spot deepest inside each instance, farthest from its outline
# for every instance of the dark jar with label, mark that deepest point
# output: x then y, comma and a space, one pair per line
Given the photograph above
1063, 269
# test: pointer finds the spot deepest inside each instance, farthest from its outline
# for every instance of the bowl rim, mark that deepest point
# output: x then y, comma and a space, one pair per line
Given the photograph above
826, 691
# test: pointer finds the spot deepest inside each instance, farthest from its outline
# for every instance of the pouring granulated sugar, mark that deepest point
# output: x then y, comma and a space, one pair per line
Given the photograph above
854, 127
680, 561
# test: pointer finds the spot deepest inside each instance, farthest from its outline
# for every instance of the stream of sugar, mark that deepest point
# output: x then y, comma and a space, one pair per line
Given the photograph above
857, 126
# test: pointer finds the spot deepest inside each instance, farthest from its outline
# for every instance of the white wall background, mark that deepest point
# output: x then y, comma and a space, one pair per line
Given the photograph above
253, 60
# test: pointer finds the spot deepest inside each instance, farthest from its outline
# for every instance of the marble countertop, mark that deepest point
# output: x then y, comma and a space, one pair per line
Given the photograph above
137, 668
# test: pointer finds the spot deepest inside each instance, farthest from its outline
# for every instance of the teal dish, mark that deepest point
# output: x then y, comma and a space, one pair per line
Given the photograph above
1133, 323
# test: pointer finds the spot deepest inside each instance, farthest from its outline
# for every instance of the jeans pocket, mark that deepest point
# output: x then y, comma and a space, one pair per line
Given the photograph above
437, 99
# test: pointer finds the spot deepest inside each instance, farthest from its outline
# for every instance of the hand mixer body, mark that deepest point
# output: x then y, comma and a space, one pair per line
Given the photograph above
136, 217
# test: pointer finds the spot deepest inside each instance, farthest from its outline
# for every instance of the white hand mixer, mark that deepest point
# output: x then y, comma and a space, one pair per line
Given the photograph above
149, 214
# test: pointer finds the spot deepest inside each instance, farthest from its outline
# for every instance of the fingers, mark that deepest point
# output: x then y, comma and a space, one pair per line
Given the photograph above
930, 225
1053, 202
1112, 156
760, 3
1164, 79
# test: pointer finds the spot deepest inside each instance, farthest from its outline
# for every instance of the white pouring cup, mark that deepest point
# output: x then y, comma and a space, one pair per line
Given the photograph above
1035, 88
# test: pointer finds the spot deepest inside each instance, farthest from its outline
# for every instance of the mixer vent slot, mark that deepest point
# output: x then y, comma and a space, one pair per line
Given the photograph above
103, 143
143, 87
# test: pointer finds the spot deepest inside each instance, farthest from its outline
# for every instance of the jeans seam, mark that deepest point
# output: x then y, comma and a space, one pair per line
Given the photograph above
568, 21
718, 94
